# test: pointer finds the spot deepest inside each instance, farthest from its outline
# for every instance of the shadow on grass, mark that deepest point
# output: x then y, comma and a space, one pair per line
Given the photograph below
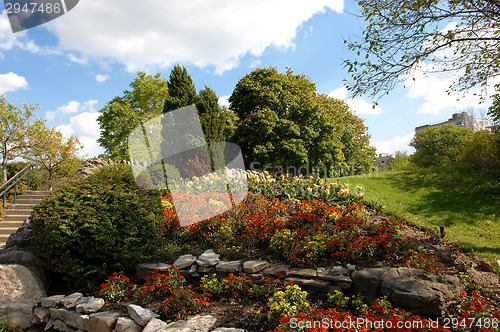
455, 193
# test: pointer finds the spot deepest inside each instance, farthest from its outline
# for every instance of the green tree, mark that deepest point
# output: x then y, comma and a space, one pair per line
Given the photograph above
181, 89
284, 122
460, 36
56, 154
212, 115
123, 114
439, 145
17, 129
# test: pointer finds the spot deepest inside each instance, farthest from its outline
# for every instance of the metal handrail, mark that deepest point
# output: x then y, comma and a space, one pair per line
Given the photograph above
12, 183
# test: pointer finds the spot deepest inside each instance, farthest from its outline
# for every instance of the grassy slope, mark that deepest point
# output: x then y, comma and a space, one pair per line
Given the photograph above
465, 202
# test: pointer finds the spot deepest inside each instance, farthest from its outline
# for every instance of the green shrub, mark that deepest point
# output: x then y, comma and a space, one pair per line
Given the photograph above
483, 151
91, 227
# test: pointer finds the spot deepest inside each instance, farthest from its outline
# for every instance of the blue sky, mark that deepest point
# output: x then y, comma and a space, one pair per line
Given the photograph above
73, 65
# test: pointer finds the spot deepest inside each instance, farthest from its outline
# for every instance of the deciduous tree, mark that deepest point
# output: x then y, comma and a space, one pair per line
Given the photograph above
17, 129
123, 114
459, 36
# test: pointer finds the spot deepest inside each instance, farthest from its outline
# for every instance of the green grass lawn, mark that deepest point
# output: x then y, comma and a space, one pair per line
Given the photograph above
464, 201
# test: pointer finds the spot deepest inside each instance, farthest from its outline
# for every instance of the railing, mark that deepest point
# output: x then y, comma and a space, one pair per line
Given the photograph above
12, 183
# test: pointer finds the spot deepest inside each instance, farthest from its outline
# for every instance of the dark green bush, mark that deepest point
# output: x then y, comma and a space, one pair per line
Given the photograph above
92, 227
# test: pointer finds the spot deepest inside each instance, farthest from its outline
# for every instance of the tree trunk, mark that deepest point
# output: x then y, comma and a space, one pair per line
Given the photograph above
4, 172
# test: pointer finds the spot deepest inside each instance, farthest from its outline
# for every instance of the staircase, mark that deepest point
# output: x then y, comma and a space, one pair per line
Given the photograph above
17, 213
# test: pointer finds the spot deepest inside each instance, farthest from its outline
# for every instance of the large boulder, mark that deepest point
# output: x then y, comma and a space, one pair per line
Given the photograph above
418, 290
20, 291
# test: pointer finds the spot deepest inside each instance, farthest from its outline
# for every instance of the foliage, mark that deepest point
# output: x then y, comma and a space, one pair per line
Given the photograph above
115, 289
17, 129
183, 303
212, 115
120, 116
482, 151
95, 225
56, 154
402, 37
402, 162
181, 89
288, 302
439, 145
284, 122
161, 284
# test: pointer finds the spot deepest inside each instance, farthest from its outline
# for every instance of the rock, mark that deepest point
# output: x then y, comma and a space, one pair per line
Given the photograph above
228, 267
302, 273
155, 325
351, 268
18, 284
71, 300
337, 278
208, 258
140, 315
202, 269
22, 239
61, 326
49, 325
103, 321
193, 270
71, 318
18, 314
312, 284
422, 292
89, 305
41, 315
51, 301
485, 265
147, 269
227, 329
184, 261
254, 266
89, 166
331, 271
274, 271
196, 323
17, 257
126, 324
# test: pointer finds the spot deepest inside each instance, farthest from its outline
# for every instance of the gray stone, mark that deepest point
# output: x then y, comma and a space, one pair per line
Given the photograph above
276, 270
227, 329
18, 284
351, 268
71, 300
228, 267
208, 258
485, 265
41, 315
141, 315
312, 284
61, 326
422, 292
103, 321
51, 301
337, 278
71, 318
17, 257
193, 270
155, 325
89, 305
49, 325
203, 269
18, 314
302, 273
196, 323
254, 266
331, 271
147, 269
126, 324
184, 261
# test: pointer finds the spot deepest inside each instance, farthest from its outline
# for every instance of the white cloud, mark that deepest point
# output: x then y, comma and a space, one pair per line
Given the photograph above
71, 108
206, 33
398, 143
357, 105
224, 101
101, 78
12, 82
85, 127
10, 40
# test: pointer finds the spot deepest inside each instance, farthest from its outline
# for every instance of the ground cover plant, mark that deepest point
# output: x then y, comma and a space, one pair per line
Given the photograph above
464, 200
302, 221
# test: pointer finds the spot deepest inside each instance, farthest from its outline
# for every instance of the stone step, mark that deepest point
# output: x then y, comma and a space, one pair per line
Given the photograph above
19, 207
8, 230
27, 200
21, 217
15, 224
16, 210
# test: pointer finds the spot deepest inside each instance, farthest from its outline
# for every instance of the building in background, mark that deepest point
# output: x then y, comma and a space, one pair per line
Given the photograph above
462, 120
384, 159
